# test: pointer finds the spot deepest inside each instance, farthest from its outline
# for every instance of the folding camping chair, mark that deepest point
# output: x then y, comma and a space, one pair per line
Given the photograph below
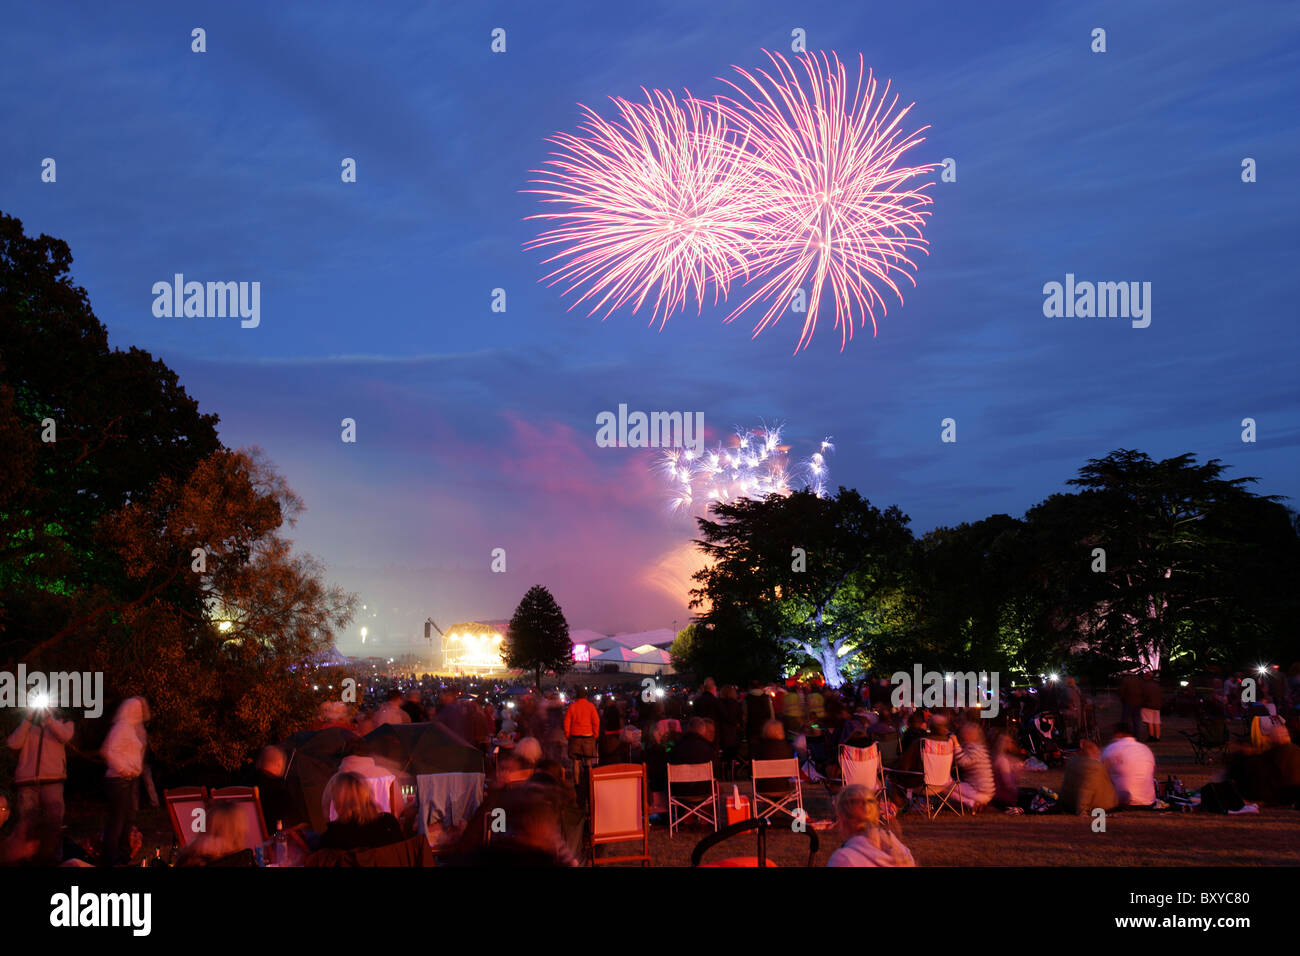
771, 770
939, 778
181, 804
617, 795
702, 805
1210, 738
250, 804
862, 765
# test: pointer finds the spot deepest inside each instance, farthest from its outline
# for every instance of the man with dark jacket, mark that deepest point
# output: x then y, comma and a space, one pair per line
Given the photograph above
729, 720
706, 705
1130, 702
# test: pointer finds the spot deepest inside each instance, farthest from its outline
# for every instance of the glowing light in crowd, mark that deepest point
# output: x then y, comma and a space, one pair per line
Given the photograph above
657, 206
754, 464
796, 184
840, 208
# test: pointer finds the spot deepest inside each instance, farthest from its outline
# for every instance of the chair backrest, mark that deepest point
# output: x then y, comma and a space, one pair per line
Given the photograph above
770, 769
181, 804
889, 748
618, 809
1213, 730
936, 761
690, 773
860, 765
248, 802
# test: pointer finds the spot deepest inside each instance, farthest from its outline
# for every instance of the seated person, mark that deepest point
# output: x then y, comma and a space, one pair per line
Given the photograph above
1271, 775
359, 823
1006, 781
977, 786
916, 729
1087, 785
224, 842
272, 791
695, 747
866, 841
656, 759
772, 745
550, 775
1132, 769
533, 835
910, 761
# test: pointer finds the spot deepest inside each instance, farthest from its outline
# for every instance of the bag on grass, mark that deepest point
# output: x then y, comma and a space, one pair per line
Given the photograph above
1221, 797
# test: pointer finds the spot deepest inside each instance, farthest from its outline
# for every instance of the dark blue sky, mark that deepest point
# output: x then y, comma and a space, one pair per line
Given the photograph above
476, 429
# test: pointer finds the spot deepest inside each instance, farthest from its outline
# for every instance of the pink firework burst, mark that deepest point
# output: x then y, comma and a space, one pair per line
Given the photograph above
838, 207
658, 202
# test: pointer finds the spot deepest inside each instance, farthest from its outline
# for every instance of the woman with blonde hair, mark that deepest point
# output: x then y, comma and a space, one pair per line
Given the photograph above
866, 841
357, 822
225, 834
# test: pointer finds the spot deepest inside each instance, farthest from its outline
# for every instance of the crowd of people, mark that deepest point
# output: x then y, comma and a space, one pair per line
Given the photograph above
539, 747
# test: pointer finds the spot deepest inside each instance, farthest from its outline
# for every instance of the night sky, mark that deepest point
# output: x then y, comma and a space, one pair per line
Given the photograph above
476, 429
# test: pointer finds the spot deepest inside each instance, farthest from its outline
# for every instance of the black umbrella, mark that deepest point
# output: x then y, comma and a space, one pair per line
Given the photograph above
424, 748
314, 757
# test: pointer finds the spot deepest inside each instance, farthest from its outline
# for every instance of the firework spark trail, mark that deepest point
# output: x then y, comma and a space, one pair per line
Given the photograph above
755, 465
662, 200
836, 204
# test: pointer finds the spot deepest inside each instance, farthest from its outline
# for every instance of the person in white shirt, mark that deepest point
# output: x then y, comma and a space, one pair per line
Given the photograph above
1132, 769
41, 741
123, 751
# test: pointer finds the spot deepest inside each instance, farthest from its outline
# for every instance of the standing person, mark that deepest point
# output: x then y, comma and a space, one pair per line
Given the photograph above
792, 713
706, 705
1130, 702
390, 711
123, 751
413, 706
758, 711
41, 741
611, 732
1153, 699
1071, 709
582, 727
452, 715
730, 716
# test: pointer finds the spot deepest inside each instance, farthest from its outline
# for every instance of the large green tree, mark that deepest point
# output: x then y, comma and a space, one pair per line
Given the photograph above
537, 639
806, 574
1153, 561
113, 481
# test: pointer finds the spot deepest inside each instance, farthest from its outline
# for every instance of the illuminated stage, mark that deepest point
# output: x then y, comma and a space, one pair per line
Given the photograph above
473, 648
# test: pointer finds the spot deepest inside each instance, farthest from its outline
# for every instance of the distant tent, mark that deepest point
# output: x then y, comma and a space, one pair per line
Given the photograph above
655, 656
329, 657
662, 637
618, 654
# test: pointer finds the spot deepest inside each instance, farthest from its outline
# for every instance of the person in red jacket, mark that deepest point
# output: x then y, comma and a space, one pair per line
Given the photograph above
582, 727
